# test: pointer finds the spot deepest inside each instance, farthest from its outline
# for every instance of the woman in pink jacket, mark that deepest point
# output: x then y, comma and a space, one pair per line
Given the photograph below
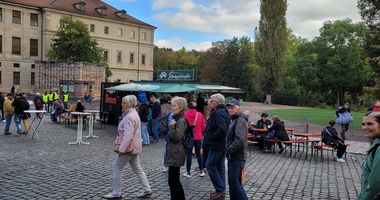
196, 120
128, 146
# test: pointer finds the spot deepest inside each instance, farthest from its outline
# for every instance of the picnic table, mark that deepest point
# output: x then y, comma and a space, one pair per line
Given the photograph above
308, 140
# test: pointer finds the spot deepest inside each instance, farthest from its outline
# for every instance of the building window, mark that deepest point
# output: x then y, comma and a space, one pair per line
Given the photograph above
16, 78
1, 14
105, 55
92, 28
16, 65
16, 17
1, 44
131, 58
106, 30
143, 36
33, 19
143, 59
33, 66
16, 45
33, 47
120, 32
132, 34
119, 56
32, 78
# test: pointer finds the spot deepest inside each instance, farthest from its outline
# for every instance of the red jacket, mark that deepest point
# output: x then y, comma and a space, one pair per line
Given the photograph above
200, 124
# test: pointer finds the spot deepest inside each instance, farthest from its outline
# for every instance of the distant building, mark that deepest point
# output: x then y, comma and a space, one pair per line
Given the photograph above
28, 26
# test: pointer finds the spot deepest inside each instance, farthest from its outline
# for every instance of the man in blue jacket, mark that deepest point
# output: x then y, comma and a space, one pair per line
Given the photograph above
215, 141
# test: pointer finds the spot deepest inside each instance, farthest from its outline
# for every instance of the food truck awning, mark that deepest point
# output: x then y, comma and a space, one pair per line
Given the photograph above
174, 87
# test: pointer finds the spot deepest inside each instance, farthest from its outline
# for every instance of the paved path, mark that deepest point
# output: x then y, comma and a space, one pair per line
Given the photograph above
52, 169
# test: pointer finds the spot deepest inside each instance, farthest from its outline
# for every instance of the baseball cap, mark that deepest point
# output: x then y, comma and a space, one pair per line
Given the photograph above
233, 102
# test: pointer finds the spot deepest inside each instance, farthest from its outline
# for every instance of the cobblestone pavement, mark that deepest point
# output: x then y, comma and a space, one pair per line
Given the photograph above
51, 169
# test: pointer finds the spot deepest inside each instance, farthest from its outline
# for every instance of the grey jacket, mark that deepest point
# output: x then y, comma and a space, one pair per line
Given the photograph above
236, 144
175, 150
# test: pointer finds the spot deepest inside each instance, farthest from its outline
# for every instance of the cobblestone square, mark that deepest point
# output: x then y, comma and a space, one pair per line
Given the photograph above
50, 168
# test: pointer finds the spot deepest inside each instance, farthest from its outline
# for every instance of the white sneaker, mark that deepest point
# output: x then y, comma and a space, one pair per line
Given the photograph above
202, 174
4, 120
187, 175
165, 169
341, 160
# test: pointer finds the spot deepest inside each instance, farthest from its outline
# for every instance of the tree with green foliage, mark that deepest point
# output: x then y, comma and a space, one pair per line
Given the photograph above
270, 44
73, 43
334, 63
370, 12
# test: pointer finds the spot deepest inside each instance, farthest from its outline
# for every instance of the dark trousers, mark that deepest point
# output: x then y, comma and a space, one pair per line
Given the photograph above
176, 190
237, 191
2, 114
189, 156
341, 149
205, 155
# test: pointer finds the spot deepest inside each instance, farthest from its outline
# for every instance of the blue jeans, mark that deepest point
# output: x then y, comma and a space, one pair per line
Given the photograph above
8, 119
189, 155
144, 133
18, 118
53, 117
216, 169
155, 129
237, 191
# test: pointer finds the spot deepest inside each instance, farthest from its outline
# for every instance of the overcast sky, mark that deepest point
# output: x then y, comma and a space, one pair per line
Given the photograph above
194, 24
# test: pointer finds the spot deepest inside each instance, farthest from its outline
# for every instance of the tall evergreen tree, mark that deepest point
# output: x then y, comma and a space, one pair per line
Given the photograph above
270, 44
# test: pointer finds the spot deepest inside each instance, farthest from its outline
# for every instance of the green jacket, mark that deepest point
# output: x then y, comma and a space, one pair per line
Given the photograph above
370, 177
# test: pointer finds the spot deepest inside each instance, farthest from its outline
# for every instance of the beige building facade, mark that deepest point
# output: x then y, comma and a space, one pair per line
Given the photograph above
28, 26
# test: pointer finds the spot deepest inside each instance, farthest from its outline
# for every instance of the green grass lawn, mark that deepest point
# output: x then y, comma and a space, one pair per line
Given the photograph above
314, 116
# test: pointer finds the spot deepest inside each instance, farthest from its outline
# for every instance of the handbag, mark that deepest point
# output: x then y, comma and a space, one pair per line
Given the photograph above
117, 144
344, 118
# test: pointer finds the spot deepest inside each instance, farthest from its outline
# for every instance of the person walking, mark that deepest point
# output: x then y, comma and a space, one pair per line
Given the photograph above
143, 113
214, 141
330, 137
175, 149
343, 109
198, 124
128, 148
370, 175
9, 112
236, 147
25, 116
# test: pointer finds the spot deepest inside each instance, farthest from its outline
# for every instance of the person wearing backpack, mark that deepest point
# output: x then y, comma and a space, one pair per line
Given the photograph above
370, 175
330, 137
236, 147
175, 148
344, 109
198, 125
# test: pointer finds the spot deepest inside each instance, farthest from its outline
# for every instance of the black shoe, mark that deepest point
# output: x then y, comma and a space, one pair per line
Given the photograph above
281, 150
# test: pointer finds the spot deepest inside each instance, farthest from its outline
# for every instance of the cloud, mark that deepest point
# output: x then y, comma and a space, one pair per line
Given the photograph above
176, 43
239, 17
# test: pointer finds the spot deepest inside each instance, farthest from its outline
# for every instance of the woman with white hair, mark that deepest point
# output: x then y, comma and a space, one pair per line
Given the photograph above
128, 146
175, 149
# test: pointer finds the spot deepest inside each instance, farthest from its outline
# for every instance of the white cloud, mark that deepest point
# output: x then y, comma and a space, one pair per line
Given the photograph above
178, 42
239, 17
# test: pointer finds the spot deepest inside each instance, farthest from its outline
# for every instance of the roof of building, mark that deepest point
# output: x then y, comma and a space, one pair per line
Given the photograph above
94, 8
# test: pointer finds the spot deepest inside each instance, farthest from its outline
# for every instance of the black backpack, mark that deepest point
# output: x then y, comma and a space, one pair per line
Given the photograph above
188, 138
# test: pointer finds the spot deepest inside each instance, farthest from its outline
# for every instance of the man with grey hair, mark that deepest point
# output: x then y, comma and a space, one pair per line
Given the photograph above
214, 142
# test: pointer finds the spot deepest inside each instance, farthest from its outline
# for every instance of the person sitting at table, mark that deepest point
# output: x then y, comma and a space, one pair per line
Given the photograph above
279, 131
58, 110
330, 137
262, 123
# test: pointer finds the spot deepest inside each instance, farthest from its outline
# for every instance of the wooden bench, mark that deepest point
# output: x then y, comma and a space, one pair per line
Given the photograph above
321, 146
290, 143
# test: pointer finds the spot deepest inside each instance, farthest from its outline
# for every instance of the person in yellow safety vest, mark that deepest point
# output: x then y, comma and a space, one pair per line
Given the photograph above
56, 95
51, 97
45, 100
65, 100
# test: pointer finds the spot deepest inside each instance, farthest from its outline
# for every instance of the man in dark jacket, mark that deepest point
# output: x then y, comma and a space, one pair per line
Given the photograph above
1, 106
156, 111
143, 113
215, 143
330, 137
236, 147
19, 108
